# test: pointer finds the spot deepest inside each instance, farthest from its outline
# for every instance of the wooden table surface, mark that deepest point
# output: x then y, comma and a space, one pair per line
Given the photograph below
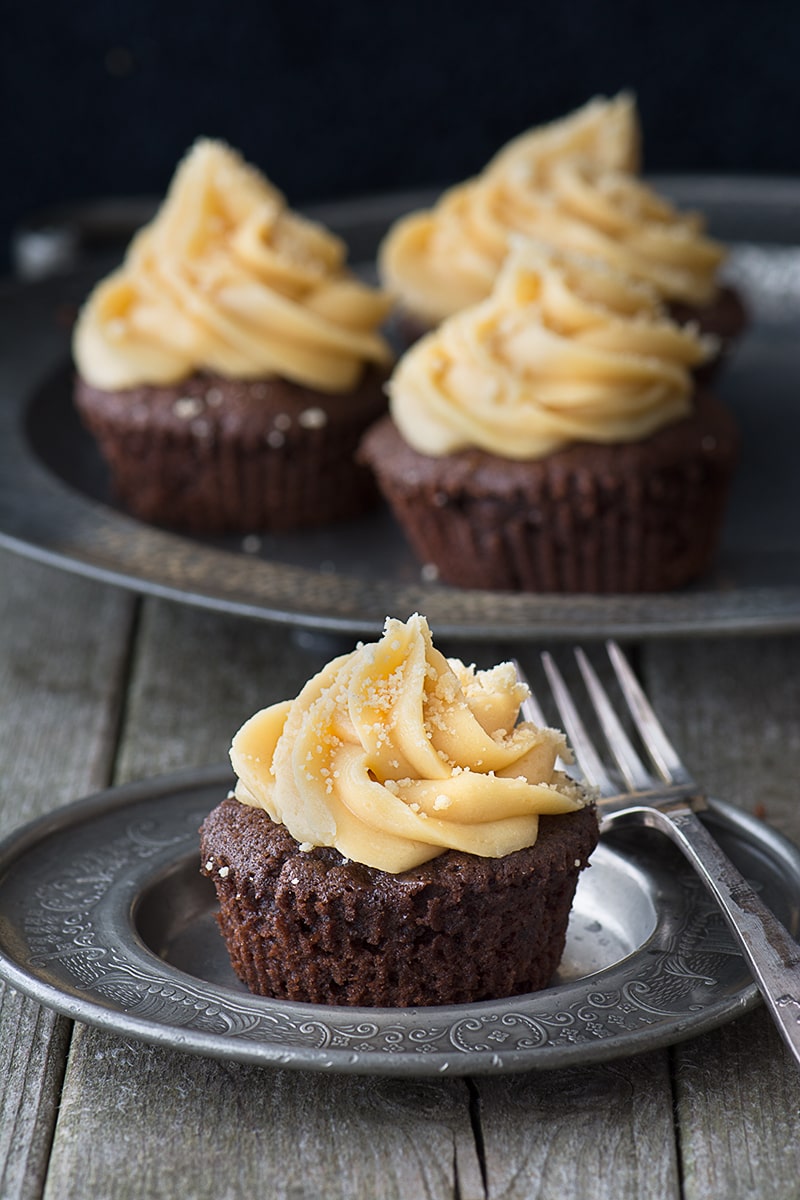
97, 687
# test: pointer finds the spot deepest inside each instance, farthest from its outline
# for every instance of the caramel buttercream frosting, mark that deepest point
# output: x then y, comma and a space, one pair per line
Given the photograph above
227, 279
394, 754
604, 131
565, 350
572, 184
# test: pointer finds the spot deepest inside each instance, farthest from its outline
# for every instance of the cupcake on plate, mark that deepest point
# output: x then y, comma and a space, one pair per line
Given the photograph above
228, 368
574, 185
553, 438
395, 837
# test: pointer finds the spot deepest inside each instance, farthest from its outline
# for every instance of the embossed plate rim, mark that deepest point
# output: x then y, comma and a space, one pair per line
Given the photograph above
197, 790
43, 518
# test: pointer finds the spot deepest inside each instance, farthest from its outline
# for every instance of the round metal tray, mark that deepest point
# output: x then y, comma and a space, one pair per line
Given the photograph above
55, 503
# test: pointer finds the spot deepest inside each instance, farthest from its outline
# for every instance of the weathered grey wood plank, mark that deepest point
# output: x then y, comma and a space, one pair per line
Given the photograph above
602, 1131
157, 1124
33, 1049
214, 1129
738, 1102
61, 679
196, 678
732, 709
61, 676
732, 706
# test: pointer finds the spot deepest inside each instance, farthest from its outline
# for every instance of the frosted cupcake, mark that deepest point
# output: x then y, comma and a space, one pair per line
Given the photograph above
553, 438
229, 366
572, 184
396, 837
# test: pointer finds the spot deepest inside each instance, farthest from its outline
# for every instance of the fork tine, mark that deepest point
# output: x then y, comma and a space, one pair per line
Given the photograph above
532, 711
659, 747
630, 764
529, 708
587, 757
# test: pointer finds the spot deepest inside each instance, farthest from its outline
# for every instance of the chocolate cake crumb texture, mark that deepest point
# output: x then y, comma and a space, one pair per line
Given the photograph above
308, 925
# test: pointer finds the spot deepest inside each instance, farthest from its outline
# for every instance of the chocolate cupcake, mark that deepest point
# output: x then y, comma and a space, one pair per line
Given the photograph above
553, 438
395, 839
572, 184
213, 454
454, 930
228, 369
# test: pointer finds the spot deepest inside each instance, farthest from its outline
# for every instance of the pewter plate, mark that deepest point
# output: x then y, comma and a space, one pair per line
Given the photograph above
105, 917
55, 503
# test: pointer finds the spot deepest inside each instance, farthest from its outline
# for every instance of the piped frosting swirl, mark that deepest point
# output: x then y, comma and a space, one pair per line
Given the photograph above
394, 754
571, 184
565, 349
227, 279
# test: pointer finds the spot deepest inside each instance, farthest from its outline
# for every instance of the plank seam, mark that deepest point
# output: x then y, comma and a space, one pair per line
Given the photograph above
123, 697
474, 1109
672, 1064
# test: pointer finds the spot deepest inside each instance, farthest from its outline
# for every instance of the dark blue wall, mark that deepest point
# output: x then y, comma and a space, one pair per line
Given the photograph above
103, 97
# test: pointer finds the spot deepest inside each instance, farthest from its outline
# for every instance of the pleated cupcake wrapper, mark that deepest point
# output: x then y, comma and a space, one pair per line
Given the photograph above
290, 959
212, 483
574, 532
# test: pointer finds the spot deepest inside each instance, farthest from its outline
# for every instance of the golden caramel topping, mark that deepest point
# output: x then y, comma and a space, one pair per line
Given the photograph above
571, 184
394, 754
565, 349
226, 278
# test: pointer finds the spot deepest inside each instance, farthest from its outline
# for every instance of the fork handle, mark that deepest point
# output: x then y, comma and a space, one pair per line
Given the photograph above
769, 949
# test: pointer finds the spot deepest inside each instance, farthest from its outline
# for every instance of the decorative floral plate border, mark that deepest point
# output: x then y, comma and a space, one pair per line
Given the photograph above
72, 884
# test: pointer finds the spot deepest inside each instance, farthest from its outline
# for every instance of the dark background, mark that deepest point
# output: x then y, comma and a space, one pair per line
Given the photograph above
102, 98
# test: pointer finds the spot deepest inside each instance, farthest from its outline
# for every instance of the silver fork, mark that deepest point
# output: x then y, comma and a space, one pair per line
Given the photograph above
669, 801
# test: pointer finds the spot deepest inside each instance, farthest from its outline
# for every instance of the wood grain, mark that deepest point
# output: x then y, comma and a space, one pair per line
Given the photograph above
732, 708
738, 1103
602, 1131
155, 1120
62, 678
196, 677
33, 1050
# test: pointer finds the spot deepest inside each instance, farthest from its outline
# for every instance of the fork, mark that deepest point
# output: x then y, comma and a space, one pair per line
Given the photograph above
670, 801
